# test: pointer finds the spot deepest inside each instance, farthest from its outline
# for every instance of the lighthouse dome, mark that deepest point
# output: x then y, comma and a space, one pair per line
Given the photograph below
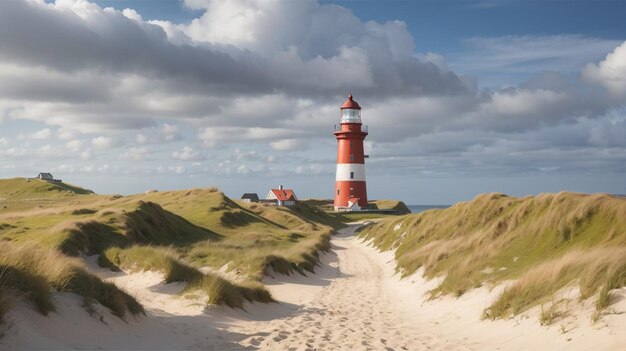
350, 111
350, 103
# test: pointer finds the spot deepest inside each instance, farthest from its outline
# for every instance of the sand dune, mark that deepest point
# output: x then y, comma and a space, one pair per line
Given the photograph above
345, 306
353, 302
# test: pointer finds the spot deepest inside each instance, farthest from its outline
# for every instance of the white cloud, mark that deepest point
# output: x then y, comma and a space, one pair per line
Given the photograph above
166, 133
186, 154
135, 154
13, 152
66, 134
74, 145
132, 14
4, 141
102, 142
253, 75
523, 102
239, 155
311, 169
611, 72
170, 132
213, 136
287, 145
50, 151
508, 60
41, 134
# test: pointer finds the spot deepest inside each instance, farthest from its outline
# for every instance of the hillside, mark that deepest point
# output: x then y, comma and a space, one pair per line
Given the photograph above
187, 235
542, 243
22, 188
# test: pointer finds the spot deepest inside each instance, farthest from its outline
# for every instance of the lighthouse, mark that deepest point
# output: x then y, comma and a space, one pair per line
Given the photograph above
350, 188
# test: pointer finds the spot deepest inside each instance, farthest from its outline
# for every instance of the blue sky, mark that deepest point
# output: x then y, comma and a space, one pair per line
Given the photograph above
461, 97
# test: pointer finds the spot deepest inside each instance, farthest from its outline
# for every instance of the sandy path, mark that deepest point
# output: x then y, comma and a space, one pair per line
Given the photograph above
354, 301
353, 307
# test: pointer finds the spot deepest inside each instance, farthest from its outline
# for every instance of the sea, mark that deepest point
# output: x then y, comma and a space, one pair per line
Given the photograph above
422, 208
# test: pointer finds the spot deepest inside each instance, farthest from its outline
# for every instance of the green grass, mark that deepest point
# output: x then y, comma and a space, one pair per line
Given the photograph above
21, 188
34, 273
544, 243
397, 205
552, 312
219, 290
197, 228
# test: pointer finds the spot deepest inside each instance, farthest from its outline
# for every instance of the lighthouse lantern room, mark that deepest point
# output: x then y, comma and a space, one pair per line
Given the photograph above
350, 188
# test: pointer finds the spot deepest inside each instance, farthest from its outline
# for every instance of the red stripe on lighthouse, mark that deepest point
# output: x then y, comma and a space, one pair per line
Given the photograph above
350, 176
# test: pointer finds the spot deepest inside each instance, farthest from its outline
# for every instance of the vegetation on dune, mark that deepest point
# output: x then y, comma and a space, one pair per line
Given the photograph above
92, 230
21, 188
544, 243
31, 272
219, 290
327, 205
284, 255
176, 232
396, 205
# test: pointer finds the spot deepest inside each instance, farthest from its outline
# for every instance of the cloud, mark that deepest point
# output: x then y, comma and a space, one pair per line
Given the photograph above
611, 72
102, 142
287, 145
41, 134
214, 136
256, 77
498, 59
74, 145
135, 154
166, 133
186, 154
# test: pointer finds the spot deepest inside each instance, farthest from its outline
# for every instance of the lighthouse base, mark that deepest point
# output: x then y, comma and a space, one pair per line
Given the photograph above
348, 209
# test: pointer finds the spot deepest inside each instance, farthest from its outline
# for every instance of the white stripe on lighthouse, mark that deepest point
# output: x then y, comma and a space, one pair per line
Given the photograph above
344, 170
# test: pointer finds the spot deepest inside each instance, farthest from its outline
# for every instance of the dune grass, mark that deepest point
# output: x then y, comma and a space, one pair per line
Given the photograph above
21, 188
183, 230
8, 295
259, 257
34, 273
219, 290
544, 243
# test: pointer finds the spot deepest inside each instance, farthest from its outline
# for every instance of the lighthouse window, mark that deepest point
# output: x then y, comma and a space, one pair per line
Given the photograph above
351, 177
338, 191
351, 157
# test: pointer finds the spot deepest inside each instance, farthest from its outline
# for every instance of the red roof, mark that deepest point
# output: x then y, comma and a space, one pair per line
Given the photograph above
284, 194
350, 103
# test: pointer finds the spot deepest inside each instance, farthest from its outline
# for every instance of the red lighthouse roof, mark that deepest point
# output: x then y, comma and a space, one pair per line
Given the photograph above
350, 103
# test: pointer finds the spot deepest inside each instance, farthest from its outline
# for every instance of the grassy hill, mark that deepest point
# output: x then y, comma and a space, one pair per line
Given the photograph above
175, 232
544, 243
22, 188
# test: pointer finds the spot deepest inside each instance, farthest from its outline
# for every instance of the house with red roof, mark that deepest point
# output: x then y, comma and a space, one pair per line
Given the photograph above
353, 204
283, 197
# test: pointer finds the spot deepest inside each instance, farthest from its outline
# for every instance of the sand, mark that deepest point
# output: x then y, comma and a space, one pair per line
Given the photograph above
355, 301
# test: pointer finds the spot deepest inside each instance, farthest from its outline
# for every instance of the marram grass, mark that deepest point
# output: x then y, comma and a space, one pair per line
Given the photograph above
184, 230
33, 273
219, 290
544, 243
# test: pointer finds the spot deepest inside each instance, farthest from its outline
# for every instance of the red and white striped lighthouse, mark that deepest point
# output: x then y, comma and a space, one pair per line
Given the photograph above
350, 188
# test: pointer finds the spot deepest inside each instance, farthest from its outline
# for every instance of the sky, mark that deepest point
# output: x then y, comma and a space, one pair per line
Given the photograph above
460, 97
